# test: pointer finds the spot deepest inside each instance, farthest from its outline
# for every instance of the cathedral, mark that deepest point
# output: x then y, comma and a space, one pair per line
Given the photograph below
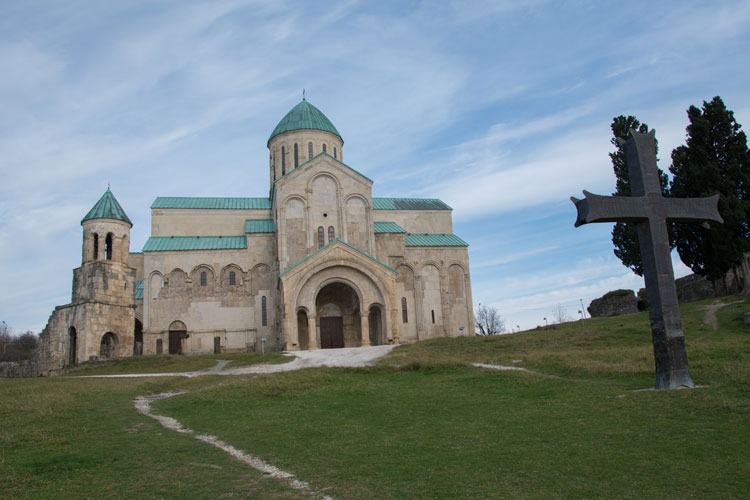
318, 263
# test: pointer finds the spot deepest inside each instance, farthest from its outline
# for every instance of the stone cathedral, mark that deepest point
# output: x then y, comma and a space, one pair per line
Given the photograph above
319, 263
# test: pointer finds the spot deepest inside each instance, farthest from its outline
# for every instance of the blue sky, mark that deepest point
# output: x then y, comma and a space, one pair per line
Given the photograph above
500, 108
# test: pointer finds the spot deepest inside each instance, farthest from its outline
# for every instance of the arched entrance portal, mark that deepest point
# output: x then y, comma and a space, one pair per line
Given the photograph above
72, 345
177, 332
303, 334
375, 319
108, 345
337, 310
138, 338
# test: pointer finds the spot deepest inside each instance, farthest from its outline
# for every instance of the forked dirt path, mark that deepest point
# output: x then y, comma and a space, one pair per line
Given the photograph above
360, 356
348, 356
710, 316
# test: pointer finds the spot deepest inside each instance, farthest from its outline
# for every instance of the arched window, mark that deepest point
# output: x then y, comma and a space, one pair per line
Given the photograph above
274, 165
404, 313
96, 246
232, 278
331, 234
283, 161
334, 153
296, 156
108, 247
321, 238
204, 278
324, 148
263, 312
309, 150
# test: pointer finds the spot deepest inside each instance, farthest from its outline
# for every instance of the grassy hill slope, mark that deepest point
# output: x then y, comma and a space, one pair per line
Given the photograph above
423, 423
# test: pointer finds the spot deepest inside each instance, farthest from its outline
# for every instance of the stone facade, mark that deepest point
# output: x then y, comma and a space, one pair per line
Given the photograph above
319, 263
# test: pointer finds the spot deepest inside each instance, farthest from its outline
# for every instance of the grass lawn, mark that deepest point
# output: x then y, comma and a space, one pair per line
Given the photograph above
423, 423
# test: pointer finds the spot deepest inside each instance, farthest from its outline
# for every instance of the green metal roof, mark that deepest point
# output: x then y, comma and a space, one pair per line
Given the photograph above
260, 226
345, 243
180, 243
304, 116
212, 203
388, 227
409, 204
434, 240
138, 292
107, 208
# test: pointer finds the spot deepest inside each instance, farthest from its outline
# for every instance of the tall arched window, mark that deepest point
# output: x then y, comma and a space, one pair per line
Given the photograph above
309, 150
334, 153
283, 161
96, 246
296, 156
331, 234
404, 313
321, 238
274, 165
108, 247
324, 148
204, 278
263, 311
232, 278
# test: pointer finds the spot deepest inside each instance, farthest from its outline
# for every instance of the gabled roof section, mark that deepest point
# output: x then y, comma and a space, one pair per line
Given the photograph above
210, 203
434, 240
388, 227
316, 156
259, 226
185, 243
409, 204
138, 291
333, 243
304, 116
107, 208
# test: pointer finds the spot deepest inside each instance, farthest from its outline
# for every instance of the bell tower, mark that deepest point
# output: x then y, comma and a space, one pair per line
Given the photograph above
104, 274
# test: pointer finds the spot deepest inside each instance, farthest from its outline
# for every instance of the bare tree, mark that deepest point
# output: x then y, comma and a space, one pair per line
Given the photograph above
560, 315
488, 321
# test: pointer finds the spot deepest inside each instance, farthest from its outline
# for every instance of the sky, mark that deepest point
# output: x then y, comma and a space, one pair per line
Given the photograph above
499, 108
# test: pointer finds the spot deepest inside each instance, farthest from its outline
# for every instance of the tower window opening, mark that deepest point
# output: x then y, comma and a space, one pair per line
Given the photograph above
96, 246
433, 316
321, 238
263, 311
331, 234
274, 165
334, 153
108, 247
309, 150
204, 278
324, 148
232, 278
283, 161
296, 156
404, 313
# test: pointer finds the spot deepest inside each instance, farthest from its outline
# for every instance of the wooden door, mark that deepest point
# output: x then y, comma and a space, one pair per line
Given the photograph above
332, 332
175, 341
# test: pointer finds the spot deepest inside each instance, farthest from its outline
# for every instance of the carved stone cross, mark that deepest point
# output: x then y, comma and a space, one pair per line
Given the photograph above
650, 211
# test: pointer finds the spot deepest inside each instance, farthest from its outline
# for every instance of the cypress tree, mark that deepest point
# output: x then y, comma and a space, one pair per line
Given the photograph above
714, 159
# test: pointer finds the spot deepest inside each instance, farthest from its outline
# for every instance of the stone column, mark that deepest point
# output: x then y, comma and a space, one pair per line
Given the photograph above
313, 334
365, 327
292, 337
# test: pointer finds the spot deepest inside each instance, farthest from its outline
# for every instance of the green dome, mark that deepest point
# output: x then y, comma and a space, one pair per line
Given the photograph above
304, 116
107, 208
